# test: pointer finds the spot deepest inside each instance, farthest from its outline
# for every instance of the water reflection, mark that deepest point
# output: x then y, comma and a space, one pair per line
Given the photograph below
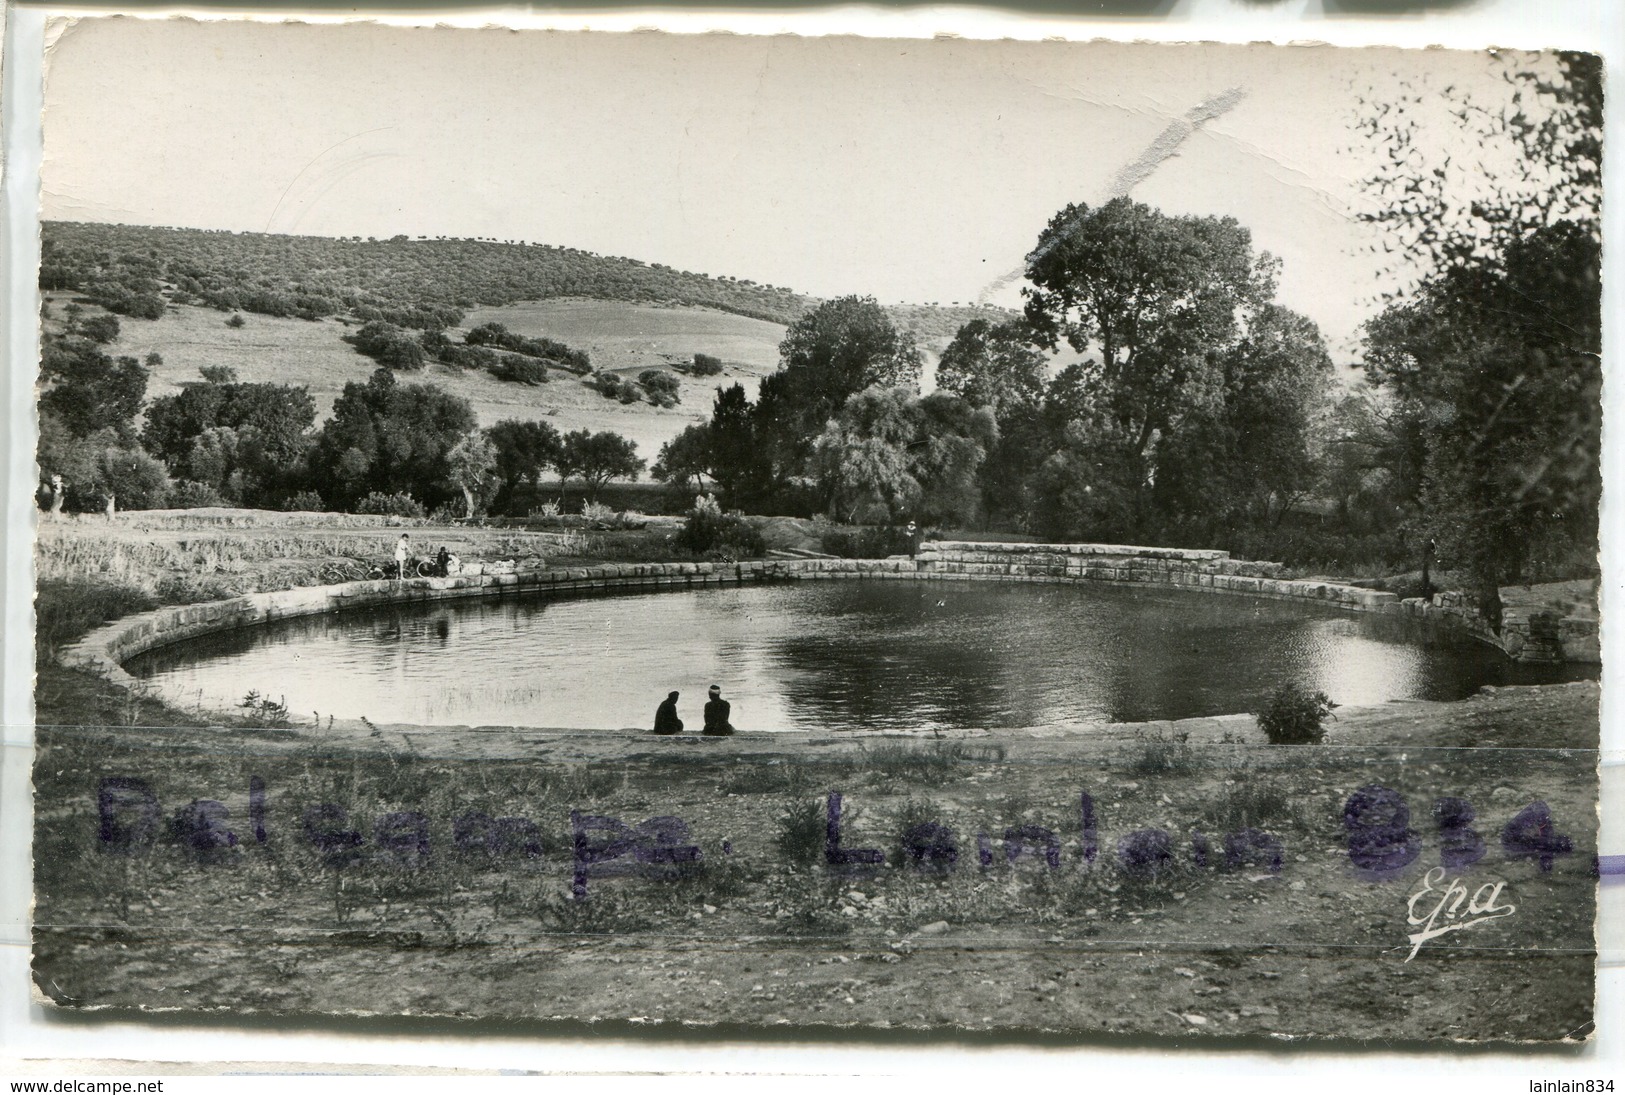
827, 655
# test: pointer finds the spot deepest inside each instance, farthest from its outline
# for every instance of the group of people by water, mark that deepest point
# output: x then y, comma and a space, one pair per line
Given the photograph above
717, 713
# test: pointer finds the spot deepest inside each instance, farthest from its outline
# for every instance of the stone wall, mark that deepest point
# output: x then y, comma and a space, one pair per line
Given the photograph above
105, 650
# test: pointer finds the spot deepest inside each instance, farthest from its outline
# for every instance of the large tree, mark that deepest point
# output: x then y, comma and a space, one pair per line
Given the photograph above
1163, 306
596, 458
1495, 350
392, 438
838, 349
1243, 454
523, 450
888, 454
248, 441
1501, 363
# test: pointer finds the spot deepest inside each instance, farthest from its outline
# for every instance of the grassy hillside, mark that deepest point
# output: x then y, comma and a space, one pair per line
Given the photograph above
296, 298
622, 337
316, 276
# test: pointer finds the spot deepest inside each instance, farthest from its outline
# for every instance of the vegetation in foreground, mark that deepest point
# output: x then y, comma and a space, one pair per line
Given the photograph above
396, 878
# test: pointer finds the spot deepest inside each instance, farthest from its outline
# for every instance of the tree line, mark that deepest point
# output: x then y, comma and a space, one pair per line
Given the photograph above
1153, 389
388, 447
1198, 411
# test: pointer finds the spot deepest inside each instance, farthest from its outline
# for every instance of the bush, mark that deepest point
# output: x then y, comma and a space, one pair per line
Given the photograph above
710, 530
520, 370
236, 320
190, 494
663, 388
706, 365
305, 501
388, 345
875, 542
100, 328
611, 386
1293, 715
802, 826
391, 505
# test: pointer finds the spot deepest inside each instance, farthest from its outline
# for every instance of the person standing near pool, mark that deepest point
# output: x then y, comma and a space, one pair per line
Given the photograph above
717, 711
401, 548
666, 720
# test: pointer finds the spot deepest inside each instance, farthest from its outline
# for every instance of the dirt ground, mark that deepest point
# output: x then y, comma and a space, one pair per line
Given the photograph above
386, 885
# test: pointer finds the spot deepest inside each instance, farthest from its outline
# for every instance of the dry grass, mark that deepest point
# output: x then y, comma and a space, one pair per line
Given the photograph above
621, 336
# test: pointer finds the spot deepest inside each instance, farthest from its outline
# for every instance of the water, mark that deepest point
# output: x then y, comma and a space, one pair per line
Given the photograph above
826, 655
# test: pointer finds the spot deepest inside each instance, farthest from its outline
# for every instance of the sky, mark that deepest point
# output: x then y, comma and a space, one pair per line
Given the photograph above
912, 170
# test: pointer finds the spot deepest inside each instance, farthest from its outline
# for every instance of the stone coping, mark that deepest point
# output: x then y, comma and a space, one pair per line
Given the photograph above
105, 650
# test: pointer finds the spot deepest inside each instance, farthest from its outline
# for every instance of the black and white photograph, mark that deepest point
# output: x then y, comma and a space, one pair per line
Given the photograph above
987, 539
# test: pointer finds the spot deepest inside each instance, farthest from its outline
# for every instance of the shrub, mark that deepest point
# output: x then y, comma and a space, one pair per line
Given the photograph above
392, 505
1293, 715
611, 386
305, 501
190, 494
875, 542
706, 365
100, 328
709, 529
236, 320
802, 828
520, 370
663, 388
596, 513
388, 345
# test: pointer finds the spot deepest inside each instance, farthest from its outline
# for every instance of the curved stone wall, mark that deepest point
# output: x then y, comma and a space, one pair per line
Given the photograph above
105, 650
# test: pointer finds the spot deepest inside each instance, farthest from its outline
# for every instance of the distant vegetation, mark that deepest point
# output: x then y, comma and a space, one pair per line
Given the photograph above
423, 284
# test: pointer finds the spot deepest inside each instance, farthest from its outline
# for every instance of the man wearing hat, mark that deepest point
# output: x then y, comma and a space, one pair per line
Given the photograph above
717, 711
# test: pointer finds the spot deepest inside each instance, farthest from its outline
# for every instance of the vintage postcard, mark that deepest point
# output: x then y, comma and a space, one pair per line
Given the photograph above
776, 532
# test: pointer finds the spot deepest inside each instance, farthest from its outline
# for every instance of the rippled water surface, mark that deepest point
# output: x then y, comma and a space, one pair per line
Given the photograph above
836, 655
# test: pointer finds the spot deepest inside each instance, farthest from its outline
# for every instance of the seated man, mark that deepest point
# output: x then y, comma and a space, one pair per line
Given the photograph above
717, 711
666, 720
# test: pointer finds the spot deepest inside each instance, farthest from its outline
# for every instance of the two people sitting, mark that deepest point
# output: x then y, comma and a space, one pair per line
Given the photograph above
717, 712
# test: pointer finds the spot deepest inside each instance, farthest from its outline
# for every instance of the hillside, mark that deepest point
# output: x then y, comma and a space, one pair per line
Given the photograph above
295, 300
135, 270
625, 338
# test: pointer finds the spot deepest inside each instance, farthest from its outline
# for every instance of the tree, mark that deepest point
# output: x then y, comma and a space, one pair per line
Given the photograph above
390, 438
1152, 295
90, 391
997, 366
888, 454
1243, 453
523, 450
1536, 160
1159, 302
838, 349
685, 460
1495, 351
471, 463
597, 458
738, 461
1501, 363
248, 441
130, 478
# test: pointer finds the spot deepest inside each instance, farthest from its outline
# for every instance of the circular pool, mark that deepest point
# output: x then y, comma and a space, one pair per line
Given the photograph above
825, 656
